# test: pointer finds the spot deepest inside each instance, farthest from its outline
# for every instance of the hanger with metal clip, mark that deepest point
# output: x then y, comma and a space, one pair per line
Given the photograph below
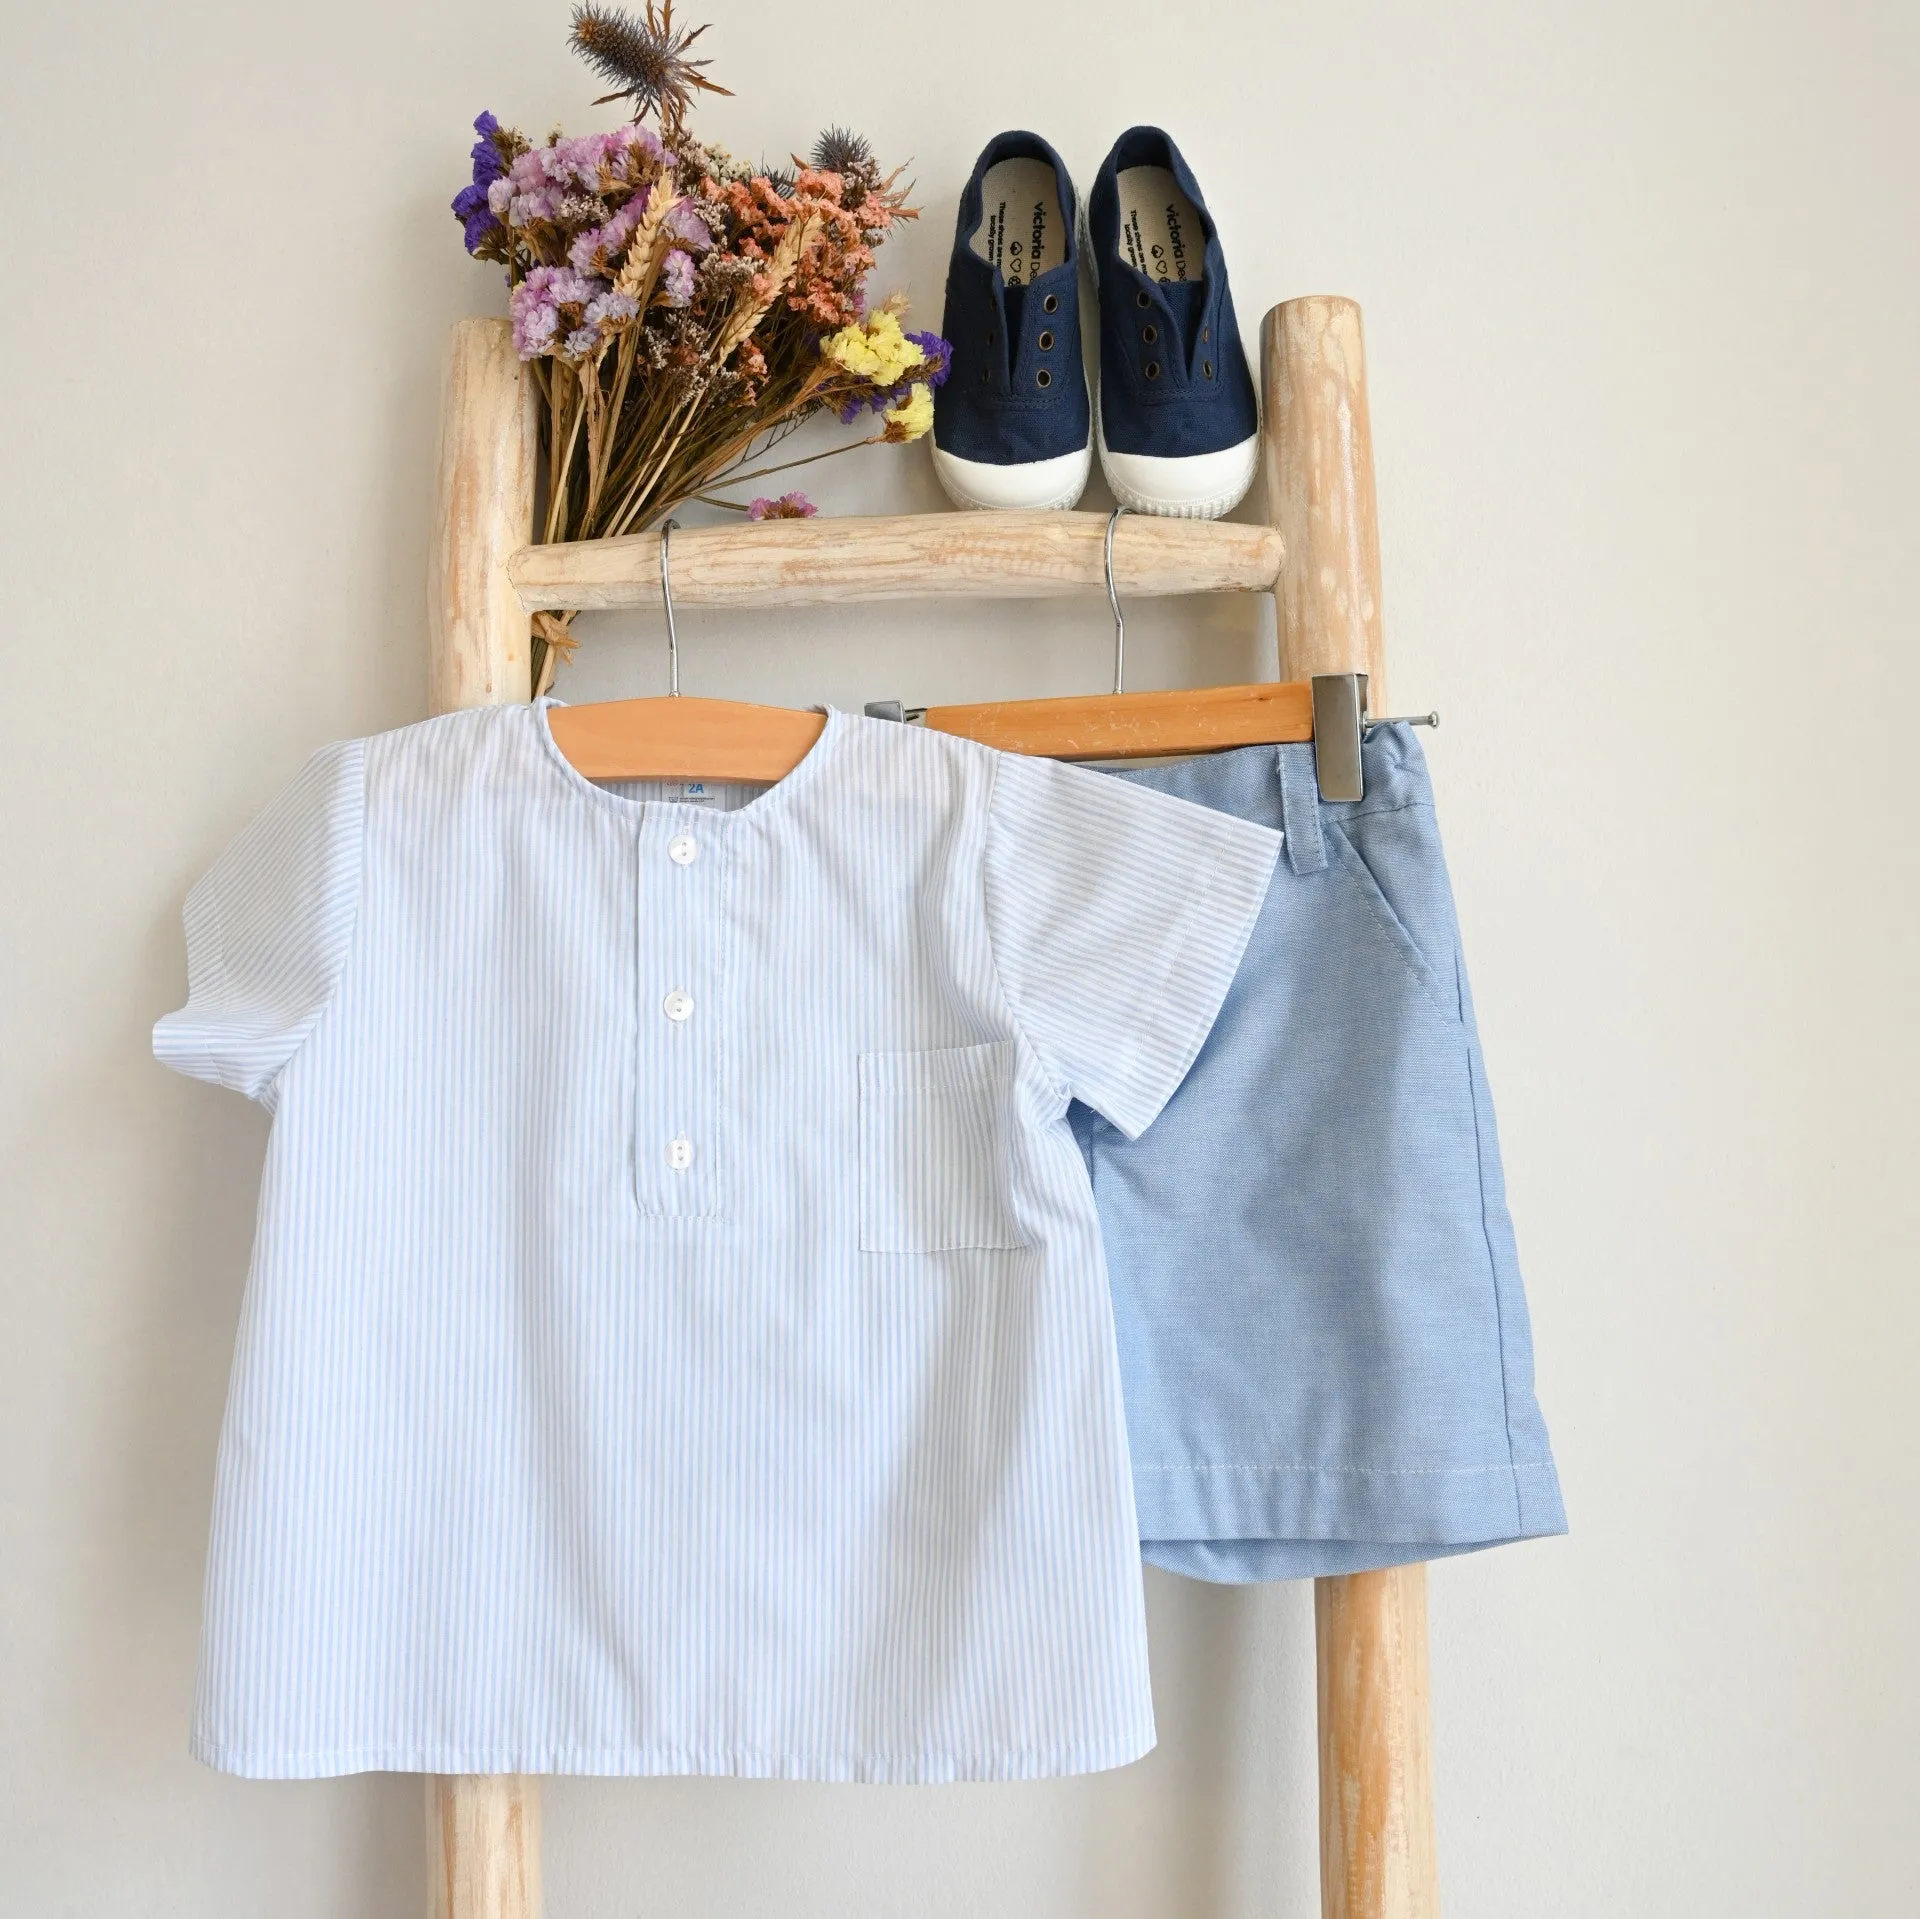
1330, 710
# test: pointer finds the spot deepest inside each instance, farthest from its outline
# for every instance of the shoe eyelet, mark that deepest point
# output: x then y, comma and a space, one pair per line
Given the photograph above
1206, 366
1043, 378
992, 337
1152, 369
986, 377
1046, 342
1149, 334
1051, 303
1206, 334
1143, 299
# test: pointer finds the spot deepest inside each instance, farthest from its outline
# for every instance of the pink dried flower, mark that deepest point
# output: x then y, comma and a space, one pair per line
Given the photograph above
789, 506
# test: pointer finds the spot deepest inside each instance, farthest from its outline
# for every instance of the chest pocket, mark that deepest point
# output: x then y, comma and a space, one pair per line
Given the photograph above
936, 1150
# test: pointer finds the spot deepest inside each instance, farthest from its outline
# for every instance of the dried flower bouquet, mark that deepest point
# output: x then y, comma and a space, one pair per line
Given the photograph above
680, 311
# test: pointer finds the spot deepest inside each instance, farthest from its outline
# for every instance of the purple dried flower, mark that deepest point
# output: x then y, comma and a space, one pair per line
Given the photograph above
676, 279
535, 310
570, 160
534, 324
593, 251
563, 180
635, 137
531, 196
476, 219
589, 250
610, 309
472, 205
485, 155
622, 224
939, 354
789, 506
686, 228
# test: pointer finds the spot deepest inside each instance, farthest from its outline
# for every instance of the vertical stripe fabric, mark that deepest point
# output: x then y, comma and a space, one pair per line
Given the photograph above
677, 1337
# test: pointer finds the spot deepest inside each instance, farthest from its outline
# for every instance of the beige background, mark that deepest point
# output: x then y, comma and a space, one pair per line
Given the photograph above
1643, 304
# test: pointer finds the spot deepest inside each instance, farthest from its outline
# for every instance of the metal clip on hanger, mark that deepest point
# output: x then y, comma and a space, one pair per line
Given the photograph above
1341, 724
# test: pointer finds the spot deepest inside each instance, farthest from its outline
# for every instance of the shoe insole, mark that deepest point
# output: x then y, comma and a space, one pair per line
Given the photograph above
1160, 231
1022, 230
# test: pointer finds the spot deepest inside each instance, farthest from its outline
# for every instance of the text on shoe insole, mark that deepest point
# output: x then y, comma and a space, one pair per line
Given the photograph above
1159, 225
1022, 231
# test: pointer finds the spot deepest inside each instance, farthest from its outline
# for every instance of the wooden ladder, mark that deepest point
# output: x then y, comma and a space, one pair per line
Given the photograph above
1320, 557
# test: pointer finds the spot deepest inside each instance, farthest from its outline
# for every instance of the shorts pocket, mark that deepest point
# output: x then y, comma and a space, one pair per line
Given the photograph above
1395, 862
936, 1150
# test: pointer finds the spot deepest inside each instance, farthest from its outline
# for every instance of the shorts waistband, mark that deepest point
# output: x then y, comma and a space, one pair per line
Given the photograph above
1395, 773
1276, 786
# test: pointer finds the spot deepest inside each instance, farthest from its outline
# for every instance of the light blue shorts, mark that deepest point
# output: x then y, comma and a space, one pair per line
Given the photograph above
1323, 1338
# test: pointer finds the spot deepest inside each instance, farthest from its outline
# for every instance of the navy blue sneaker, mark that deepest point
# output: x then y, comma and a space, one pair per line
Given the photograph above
1012, 426
1178, 423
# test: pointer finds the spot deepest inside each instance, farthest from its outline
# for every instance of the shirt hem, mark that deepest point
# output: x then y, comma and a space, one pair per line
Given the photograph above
669, 1762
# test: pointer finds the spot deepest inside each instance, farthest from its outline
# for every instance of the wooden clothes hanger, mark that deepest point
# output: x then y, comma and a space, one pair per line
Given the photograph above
676, 736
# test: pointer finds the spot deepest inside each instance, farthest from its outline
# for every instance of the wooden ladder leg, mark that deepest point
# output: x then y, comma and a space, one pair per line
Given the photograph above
483, 1846
1370, 1629
483, 1830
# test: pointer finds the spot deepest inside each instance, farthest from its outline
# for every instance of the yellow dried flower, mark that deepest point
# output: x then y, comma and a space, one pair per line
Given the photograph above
912, 417
875, 349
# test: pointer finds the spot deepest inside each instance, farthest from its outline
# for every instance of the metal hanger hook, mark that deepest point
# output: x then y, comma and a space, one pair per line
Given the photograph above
666, 600
1113, 600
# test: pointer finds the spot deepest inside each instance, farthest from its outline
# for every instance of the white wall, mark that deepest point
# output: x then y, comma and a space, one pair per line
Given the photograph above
1643, 304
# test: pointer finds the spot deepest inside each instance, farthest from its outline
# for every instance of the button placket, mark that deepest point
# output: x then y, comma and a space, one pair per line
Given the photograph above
679, 954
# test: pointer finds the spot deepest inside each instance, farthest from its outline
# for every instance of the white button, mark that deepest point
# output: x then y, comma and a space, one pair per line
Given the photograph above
680, 1154
677, 1005
683, 849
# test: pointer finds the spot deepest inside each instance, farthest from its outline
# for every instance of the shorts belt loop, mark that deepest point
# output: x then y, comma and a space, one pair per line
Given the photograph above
1300, 810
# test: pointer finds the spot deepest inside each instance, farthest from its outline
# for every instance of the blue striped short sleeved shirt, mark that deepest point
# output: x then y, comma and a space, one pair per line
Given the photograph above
677, 1338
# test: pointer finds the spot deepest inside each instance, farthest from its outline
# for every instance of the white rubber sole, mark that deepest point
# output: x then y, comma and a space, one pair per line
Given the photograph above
1199, 486
1202, 486
1029, 486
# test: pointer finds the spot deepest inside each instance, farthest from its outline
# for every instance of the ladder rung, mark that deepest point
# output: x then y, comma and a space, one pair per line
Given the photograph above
985, 556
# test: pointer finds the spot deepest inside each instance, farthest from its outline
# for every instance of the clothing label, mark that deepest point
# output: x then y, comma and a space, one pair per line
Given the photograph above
694, 793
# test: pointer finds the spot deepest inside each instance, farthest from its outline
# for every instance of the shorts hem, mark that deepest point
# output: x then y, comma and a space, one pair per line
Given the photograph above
1238, 1524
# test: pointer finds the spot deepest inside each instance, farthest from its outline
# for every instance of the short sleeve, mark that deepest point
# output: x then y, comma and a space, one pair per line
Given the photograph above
1118, 917
268, 929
